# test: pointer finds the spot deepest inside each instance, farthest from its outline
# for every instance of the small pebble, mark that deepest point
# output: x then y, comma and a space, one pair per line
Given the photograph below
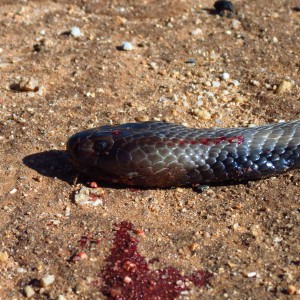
21, 270
3, 257
284, 86
291, 290
13, 191
191, 61
42, 32
277, 239
47, 280
216, 84
89, 196
251, 274
223, 7
235, 24
297, 8
197, 31
126, 46
202, 114
153, 65
27, 85
75, 31
235, 82
225, 76
255, 82
29, 291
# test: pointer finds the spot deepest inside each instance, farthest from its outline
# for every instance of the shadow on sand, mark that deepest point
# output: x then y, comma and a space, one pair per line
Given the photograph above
52, 163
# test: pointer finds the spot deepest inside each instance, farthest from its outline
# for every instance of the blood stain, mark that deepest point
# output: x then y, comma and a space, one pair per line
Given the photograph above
127, 274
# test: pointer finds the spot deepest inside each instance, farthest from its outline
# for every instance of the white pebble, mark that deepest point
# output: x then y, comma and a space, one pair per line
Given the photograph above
126, 46
29, 291
153, 65
47, 280
13, 191
277, 239
43, 32
21, 270
225, 76
235, 82
235, 24
197, 31
216, 83
75, 31
251, 274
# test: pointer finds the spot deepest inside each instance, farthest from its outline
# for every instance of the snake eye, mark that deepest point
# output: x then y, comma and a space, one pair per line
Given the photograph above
99, 146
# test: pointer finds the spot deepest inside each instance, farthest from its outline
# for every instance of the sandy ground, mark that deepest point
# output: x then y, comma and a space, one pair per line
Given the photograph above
246, 235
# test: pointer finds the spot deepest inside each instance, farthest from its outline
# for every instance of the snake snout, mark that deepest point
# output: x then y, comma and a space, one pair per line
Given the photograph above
81, 152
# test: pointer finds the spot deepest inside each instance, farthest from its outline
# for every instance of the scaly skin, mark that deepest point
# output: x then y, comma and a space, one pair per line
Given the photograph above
157, 154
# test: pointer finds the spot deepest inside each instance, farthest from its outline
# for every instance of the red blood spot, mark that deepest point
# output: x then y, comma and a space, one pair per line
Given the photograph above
79, 256
93, 184
127, 274
116, 132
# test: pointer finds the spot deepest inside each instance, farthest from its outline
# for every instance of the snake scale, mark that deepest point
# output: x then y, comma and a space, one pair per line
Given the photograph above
158, 154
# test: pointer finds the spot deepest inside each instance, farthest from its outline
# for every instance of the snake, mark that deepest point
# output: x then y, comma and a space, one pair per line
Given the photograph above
161, 155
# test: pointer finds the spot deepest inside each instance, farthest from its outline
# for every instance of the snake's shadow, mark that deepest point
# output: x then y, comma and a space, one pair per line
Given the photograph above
52, 163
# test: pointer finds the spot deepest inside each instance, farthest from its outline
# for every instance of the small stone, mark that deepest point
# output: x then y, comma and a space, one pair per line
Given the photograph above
202, 114
43, 32
291, 290
13, 191
224, 8
26, 85
80, 256
61, 297
196, 31
75, 32
235, 82
191, 61
47, 280
127, 279
225, 76
153, 65
236, 227
251, 274
21, 270
89, 196
255, 82
29, 291
284, 86
141, 118
216, 84
277, 239
3, 257
126, 46
255, 230
193, 246
296, 8
235, 24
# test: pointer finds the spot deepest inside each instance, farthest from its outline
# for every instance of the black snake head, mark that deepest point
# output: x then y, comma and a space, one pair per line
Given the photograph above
84, 149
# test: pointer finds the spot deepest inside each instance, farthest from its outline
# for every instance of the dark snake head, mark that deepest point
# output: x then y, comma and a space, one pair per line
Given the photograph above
85, 148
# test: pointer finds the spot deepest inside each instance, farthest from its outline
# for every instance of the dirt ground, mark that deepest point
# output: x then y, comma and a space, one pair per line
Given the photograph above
245, 235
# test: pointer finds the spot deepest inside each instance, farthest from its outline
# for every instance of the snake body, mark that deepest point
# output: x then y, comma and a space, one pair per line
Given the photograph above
158, 154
